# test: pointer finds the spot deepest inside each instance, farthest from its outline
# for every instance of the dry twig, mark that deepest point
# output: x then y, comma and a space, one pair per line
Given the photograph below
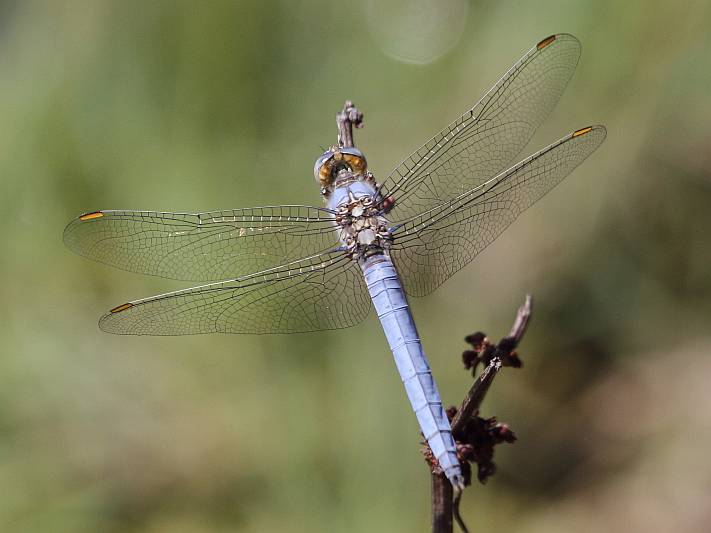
476, 436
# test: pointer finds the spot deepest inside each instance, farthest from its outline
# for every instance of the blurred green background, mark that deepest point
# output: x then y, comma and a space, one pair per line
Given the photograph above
188, 106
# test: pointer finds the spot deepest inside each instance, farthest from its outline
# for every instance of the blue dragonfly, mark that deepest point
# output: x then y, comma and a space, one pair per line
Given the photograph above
296, 268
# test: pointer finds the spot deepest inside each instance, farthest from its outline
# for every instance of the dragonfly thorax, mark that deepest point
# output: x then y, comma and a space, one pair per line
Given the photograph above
351, 192
363, 229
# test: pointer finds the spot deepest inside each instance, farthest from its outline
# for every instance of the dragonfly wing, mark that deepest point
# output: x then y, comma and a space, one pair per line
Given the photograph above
202, 246
428, 249
322, 292
487, 138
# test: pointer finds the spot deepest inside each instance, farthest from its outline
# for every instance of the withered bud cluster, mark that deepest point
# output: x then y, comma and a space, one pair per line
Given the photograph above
475, 444
474, 435
484, 352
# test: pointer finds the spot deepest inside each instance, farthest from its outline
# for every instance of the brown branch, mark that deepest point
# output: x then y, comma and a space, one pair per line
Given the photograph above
476, 436
441, 503
472, 401
346, 120
523, 317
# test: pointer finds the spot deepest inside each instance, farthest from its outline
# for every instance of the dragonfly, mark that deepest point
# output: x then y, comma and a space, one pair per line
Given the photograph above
300, 268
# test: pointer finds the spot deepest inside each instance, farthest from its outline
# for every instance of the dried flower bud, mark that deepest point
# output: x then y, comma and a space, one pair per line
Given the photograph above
484, 471
503, 433
470, 359
475, 339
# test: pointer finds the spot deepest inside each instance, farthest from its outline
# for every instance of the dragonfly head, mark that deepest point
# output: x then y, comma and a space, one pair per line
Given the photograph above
338, 163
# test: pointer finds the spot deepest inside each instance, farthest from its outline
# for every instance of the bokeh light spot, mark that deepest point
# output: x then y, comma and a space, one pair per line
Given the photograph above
418, 31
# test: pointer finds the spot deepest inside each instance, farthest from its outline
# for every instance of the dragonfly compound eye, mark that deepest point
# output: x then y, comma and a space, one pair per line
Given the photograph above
333, 161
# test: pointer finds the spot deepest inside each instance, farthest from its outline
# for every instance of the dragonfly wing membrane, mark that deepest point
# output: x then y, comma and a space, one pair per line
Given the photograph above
430, 248
202, 246
322, 292
487, 138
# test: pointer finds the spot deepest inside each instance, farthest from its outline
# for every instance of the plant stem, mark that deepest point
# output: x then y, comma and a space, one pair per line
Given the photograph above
444, 507
348, 118
441, 504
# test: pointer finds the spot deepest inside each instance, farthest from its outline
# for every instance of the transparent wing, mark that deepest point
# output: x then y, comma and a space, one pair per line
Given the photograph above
202, 246
487, 138
430, 248
325, 291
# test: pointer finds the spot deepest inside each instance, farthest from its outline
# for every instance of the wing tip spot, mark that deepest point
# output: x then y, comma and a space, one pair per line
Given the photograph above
582, 131
91, 216
121, 307
545, 42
